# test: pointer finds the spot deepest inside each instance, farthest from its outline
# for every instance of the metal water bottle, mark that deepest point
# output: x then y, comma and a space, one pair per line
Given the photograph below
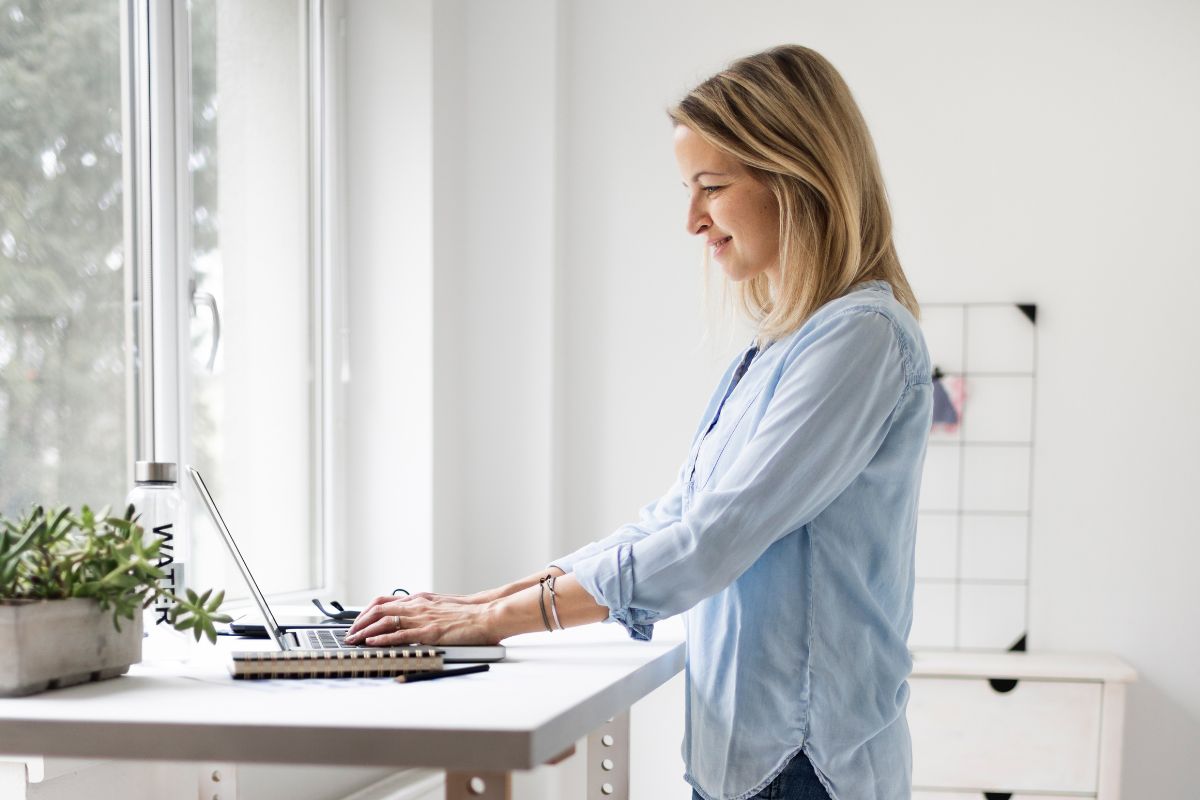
159, 504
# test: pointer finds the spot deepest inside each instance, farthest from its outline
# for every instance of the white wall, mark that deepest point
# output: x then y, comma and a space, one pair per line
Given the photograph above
389, 252
1033, 152
504, 309
451, 107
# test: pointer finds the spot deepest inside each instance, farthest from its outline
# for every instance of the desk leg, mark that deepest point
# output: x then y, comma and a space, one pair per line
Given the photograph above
478, 786
608, 760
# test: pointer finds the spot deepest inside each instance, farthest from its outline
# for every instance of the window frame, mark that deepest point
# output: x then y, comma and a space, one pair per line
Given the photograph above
156, 106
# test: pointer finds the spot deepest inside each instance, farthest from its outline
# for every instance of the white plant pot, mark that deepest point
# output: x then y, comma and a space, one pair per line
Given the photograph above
47, 644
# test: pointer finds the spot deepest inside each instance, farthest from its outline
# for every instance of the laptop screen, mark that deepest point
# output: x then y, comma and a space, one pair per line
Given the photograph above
271, 625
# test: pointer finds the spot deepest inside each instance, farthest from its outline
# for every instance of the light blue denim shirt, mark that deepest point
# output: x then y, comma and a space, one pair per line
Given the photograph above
788, 538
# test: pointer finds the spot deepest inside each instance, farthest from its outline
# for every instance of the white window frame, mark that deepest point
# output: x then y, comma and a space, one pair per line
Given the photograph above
156, 102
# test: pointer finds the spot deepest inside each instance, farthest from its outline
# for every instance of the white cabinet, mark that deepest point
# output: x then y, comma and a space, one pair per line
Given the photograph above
1016, 724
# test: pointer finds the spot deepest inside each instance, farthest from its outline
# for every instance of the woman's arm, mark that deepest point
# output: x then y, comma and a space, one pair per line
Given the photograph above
485, 596
432, 619
830, 412
653, 517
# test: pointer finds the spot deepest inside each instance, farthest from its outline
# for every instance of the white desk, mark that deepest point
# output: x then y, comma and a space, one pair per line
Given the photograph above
551, 691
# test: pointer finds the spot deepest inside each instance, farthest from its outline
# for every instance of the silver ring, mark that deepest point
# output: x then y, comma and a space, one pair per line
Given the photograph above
396, 619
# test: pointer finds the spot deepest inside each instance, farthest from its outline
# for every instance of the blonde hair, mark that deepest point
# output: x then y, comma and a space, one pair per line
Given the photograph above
788, 116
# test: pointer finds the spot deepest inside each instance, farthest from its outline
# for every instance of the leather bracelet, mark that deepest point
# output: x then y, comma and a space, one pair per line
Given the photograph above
554, 600
542, 603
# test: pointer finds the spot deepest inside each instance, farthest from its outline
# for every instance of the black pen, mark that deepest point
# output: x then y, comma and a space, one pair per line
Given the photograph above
445, 673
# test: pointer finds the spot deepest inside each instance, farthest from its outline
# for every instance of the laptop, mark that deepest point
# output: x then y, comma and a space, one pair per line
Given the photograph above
326, 637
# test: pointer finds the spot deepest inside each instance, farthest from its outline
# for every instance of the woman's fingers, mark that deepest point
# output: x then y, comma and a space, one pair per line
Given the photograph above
372, 613
400, 637
387, 618
387, 625
360, 621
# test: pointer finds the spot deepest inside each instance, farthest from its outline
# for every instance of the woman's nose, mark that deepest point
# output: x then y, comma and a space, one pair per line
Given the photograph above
698, 220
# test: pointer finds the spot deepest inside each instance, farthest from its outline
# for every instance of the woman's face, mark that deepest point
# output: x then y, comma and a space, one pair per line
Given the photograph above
736, 213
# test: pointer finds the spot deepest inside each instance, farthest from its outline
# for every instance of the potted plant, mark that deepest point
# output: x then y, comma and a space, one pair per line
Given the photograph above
72, 589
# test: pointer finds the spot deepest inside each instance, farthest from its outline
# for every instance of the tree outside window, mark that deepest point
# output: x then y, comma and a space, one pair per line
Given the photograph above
62, 316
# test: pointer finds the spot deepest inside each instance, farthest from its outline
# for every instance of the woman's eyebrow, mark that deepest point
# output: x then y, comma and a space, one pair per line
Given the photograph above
696, 177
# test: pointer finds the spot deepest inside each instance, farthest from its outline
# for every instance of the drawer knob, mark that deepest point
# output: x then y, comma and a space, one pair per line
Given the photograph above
1002, 686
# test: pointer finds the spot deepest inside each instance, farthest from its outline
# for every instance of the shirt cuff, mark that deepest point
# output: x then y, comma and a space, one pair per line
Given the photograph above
567, 563
608, 578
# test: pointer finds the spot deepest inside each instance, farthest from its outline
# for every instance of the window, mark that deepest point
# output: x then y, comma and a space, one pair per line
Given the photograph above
64, 430
253, 417
115, 267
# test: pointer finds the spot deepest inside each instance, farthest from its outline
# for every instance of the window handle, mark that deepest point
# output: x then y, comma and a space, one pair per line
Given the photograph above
206, 299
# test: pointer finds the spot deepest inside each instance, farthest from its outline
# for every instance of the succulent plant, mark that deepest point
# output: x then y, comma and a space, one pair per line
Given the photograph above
53, 554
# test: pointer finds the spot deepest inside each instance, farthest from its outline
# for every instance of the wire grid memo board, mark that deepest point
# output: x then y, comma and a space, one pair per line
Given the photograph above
974, 516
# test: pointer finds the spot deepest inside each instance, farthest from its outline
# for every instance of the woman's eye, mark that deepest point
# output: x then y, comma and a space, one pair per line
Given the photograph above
709, 189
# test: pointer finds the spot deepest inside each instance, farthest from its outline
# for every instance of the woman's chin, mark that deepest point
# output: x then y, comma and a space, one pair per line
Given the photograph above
736, 275
732, 272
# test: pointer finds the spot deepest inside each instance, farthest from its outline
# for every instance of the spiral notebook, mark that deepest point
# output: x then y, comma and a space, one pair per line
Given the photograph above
334, 663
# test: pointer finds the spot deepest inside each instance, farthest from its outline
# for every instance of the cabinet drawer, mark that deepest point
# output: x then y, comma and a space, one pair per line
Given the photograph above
1041, 737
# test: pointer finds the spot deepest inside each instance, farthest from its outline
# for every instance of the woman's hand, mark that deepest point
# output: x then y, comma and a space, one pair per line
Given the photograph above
425, 618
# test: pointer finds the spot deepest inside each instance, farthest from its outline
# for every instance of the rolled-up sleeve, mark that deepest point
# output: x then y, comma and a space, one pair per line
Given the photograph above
827, 416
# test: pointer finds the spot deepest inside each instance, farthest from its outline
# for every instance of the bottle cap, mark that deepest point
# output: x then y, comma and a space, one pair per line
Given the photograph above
155, 472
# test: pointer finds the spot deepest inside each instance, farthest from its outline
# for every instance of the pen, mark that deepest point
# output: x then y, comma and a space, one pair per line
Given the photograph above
445, 673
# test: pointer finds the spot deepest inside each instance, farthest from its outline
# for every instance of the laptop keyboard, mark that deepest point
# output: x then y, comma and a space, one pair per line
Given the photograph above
328, 639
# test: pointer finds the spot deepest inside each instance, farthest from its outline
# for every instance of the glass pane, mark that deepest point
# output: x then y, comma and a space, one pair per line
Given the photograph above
252, 411
62, 294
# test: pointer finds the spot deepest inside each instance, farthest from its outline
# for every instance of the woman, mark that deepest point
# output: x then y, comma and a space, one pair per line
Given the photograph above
788, 536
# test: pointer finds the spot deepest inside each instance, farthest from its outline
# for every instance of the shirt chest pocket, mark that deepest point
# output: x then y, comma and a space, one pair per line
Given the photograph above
718, 449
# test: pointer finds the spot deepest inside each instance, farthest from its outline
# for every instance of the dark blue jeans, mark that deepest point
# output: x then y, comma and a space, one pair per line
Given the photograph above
798, 781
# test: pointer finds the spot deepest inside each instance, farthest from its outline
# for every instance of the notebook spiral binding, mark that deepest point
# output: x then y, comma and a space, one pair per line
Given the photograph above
252, 665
